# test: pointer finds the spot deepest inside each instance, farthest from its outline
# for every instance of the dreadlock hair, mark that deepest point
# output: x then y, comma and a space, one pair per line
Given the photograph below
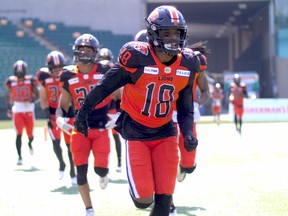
201, 46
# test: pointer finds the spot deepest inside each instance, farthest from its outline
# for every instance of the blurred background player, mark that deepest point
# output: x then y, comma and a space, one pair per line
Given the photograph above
216, 106
49, 97
21, 93
237, 93
187, 163
105, 57
141, 36
76, 82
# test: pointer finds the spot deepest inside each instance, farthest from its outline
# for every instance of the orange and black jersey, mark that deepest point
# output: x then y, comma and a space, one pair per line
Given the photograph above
79, 85
151, 90
22, 91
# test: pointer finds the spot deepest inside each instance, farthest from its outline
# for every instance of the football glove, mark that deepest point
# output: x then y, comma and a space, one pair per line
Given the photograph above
81, 124
62, 123
190, 143
113, 118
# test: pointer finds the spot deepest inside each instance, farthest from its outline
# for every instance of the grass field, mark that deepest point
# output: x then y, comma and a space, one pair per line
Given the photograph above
235, 175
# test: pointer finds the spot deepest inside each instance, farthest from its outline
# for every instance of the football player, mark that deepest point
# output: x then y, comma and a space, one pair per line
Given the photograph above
21, 94
237, 93
49, 97
76, 83
216, 106
155, 76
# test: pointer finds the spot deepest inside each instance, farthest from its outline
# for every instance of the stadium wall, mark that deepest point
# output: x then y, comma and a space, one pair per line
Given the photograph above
120, 17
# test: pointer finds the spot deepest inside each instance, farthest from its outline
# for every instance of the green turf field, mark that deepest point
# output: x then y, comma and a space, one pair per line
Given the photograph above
235, 175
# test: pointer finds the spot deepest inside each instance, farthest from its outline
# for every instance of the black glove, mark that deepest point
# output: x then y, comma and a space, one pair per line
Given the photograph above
190, 143
49, 124
81, 124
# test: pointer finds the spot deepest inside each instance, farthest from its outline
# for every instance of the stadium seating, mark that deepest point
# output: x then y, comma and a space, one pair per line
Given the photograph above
14, 45
17, 44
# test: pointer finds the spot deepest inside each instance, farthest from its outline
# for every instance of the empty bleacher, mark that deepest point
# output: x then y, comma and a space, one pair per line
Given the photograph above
16, 43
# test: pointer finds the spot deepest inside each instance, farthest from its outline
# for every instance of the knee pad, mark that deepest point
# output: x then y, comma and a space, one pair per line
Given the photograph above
140, 205
82, 174
101, 171
189, 169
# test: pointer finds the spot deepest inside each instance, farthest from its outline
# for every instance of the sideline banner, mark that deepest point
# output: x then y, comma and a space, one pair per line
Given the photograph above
262, 109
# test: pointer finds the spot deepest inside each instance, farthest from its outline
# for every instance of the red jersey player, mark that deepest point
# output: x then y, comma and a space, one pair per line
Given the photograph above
216, 106
49, 97
21, 94
237, 93
155, 76
76, 83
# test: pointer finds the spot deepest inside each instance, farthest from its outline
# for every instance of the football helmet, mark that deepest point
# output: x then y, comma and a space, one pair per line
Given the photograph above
141, 36
237, 79
20, 69
105, 54
217, 85
85, 40
55, 59
166, 18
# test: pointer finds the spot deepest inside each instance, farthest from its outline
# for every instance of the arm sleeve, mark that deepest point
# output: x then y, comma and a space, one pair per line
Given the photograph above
185, 111
114, 79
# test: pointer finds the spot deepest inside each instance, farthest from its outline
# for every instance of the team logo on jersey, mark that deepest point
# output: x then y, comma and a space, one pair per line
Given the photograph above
151, 70
167, 70
73, 80
49, 80
141, 48
97, 76
184, 73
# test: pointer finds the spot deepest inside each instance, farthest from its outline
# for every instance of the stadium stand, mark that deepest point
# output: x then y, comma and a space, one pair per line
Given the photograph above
31, 39
14, 45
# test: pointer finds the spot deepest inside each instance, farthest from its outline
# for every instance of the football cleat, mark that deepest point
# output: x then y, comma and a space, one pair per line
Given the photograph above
20, 162
181, 174
74, 181
103, 181
89, 212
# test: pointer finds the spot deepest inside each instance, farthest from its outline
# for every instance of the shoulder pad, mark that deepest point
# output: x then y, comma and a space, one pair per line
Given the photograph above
134, 54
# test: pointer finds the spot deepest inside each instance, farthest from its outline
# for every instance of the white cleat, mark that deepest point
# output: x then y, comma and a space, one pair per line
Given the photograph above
89, 212
31, 150
61, 174
19, 162
74, 181
119, 169
103, 181
181, 175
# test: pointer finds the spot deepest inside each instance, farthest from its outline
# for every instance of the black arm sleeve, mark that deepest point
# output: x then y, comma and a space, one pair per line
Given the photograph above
185, 110
114, 79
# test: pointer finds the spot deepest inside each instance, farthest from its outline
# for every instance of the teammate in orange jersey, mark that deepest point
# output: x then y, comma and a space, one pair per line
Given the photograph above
76, 82
155, 76
49, 97
237, 93
105, 56
216, 106
21, 93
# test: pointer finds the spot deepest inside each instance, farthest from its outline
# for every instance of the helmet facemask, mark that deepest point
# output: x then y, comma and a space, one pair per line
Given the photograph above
86, 56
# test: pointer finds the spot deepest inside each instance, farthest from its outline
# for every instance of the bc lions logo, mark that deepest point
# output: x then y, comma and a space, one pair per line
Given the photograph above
141, 48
